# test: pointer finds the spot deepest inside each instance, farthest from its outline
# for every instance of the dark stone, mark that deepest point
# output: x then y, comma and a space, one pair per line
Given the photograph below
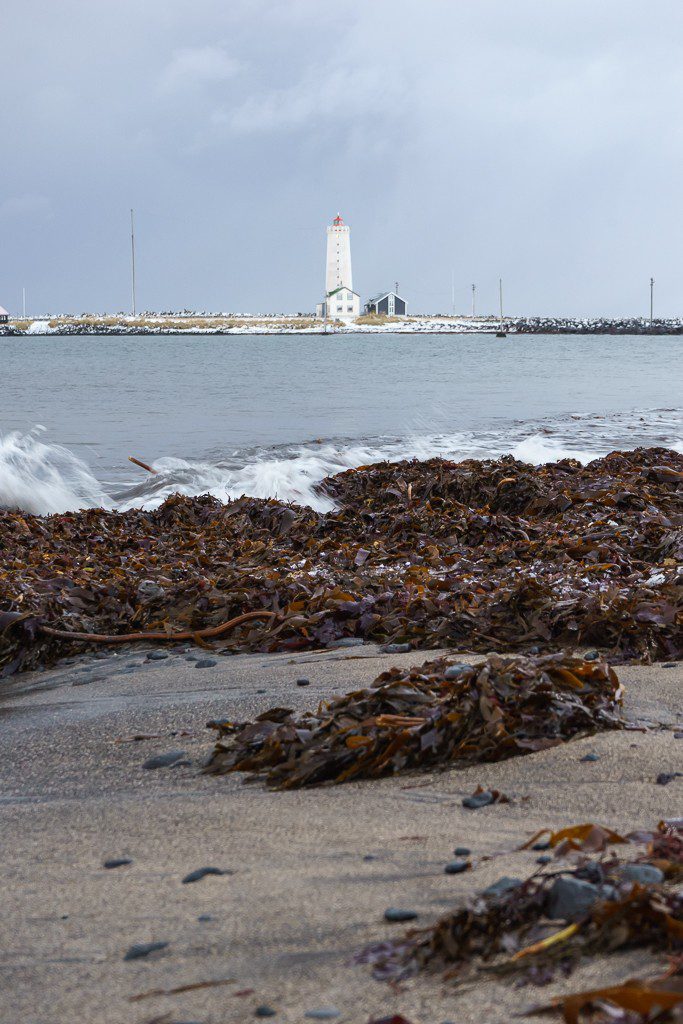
303, 682
545, 859
260, 691
206, 663
591, 656
346, 641
570, 899
456, 867
478, 800
644, 874
369, 856
462, 851
455, 671
164, 760
157, 655
396, 649
264, 1011
503, 885
324, 1013
678, 735
590, 757
396, 914
117, 862
591, 872
195, 876
664, 778
543, 845
103, 655
205, 917
671, 664
82, 682
141, 949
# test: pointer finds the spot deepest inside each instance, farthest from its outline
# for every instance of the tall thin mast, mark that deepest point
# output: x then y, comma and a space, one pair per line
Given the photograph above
23, 302
132, 255
500, 293
474, 293
453, 292
652, 299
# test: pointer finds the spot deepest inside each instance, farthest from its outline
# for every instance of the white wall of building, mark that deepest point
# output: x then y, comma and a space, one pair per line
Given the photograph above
338, 258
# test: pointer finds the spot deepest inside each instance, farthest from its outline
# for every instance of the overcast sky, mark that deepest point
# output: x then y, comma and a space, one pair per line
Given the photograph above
540, 140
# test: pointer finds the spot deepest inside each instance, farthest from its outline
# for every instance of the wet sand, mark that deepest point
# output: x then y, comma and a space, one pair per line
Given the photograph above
302, 897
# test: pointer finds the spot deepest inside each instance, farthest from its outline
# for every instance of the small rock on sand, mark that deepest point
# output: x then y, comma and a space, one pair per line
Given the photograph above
570, 899
164, 760
206, 663
264, 1011
323, 1013
195, 876
456, 867
478, 800
117, 862
140, 949
397, 914
455, 671
157, 655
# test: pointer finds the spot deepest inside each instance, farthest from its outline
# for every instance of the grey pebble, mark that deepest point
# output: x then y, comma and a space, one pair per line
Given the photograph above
206, 663
395, 914
303, 682
664, 778
645, 874
455, 671
195, 876
591, 655
671, 664
117, 862
264, 1011
324, 1013
164, 760
82, 682
590, 757
141, 949
462, 851
456, 867
478, 800
370, 856
205, 917
543, 845
157, 655
503, 885
396, 649
346, 641
570, 899
545, 859
103, 655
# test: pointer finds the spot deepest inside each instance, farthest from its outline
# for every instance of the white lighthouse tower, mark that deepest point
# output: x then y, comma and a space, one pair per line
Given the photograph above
341, 302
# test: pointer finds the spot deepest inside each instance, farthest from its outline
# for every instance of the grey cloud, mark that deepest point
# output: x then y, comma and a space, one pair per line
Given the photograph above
537, 141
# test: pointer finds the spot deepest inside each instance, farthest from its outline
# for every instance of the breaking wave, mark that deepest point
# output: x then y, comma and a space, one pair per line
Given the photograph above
46, 478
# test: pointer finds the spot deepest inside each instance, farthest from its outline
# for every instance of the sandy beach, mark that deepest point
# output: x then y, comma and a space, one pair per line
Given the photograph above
314, 870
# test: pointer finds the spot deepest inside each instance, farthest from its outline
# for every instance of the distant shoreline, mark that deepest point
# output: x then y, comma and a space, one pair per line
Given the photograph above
235, 325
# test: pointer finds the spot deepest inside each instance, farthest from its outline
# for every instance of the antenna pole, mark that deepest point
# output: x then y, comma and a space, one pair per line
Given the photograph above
500, 293
23, 302
474, 293
652, 299
453, 292
132, 256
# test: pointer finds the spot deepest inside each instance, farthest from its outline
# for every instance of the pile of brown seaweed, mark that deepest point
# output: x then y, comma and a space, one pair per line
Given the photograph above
472, 555
555, 917
437, 714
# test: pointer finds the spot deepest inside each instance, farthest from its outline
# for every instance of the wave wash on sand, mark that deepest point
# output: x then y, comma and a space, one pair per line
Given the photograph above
470, 555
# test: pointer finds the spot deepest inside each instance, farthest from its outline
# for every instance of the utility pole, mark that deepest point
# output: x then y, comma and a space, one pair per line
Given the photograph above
474, 294
132, 254
652, 298
23, 302
453, 292
396, 287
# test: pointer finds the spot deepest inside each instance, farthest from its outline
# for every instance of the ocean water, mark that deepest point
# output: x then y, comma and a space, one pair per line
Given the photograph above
270, 416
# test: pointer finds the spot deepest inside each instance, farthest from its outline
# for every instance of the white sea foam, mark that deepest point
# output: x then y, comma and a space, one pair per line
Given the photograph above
46, 478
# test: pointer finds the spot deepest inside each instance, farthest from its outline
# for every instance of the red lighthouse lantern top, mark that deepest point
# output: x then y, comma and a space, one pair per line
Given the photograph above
338, 220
